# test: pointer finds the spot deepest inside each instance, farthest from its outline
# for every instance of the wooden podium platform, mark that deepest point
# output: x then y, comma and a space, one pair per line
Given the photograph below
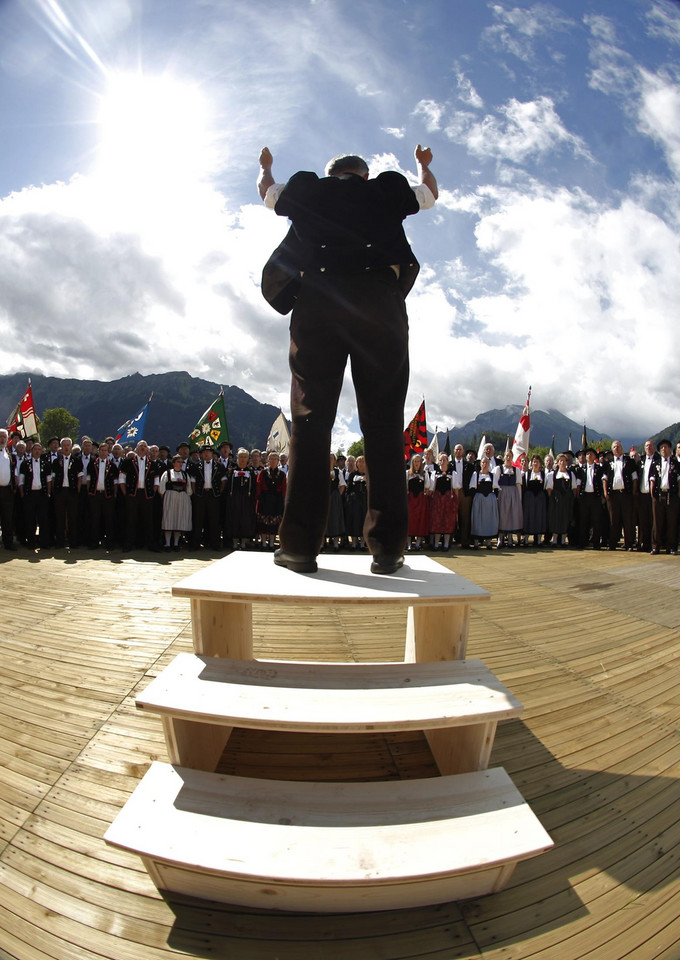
222, 596
328, 846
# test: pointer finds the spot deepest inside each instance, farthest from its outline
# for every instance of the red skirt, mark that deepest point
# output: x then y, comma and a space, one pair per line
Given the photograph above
443, 512
418, 515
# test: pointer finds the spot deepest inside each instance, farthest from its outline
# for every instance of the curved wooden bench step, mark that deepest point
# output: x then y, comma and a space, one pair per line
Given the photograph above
202, 698
328, 847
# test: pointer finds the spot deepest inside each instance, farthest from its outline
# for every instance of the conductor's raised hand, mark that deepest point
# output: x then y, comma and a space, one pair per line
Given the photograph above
266, 158
423, 156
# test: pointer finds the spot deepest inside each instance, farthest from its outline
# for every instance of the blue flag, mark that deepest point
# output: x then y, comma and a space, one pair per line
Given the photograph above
132, 431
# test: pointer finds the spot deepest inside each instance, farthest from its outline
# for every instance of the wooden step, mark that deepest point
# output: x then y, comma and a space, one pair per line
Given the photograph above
458, 703
322, 847
222, 595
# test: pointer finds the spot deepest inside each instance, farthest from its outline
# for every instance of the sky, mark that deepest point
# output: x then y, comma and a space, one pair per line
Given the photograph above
132, 237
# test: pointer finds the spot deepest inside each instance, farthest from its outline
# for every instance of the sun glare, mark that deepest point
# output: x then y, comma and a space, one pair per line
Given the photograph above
154, 130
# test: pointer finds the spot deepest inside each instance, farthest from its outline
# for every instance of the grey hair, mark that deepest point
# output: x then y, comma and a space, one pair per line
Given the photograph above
346, 164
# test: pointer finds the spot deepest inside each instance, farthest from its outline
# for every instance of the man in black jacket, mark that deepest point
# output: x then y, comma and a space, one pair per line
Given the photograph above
355, 268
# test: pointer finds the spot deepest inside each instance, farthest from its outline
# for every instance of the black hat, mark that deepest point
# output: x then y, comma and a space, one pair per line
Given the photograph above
665, 440
206, 447
53, 438
182, 444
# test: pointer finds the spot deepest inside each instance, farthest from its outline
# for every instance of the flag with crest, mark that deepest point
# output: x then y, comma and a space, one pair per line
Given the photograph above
211, 430
23, 419
132, 431
415, 435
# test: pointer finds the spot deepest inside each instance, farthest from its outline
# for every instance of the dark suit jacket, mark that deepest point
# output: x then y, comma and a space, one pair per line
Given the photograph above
340, 224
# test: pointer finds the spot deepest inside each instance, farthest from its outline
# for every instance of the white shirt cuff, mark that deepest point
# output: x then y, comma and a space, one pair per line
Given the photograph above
273, 194
424, 195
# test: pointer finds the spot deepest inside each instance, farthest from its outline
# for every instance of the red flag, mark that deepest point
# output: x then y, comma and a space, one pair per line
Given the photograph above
521, 441
23, 416
415, 435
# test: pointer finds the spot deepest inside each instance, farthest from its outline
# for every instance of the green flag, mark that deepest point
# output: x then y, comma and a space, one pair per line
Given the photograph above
211, 430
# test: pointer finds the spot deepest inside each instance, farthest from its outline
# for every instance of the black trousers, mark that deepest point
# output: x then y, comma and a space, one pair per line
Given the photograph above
620, 505
361, 317
7, 515
666, 511
66, 503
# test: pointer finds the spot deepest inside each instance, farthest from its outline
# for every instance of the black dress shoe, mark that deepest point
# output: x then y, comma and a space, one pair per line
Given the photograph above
387, 563
297, 562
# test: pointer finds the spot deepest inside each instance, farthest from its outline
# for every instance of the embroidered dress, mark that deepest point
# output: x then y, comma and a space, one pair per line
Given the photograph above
561, 503
176, 489
535, 506
242, 504
271, 492
418, 507
510, 519
444, 509
484, 519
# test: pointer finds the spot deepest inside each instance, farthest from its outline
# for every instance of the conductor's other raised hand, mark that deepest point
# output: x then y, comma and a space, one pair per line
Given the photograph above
423, 156
266, 158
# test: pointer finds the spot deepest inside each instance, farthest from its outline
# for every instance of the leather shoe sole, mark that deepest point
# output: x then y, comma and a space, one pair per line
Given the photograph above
387, 563
296, 562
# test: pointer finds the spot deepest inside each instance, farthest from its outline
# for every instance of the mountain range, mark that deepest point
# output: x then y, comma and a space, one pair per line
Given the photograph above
179, 400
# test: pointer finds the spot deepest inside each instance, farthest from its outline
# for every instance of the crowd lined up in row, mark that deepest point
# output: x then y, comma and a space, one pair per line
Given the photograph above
101, 495
578, 499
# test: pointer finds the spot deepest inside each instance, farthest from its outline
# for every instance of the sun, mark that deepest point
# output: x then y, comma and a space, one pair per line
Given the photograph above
155, 130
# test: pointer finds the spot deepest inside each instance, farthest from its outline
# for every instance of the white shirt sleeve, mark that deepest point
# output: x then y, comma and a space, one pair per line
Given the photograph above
273, 194
424, 195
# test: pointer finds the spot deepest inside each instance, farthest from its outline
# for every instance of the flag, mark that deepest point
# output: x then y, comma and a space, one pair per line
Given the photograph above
434, 444
507, 443
570, 448
584, 438
415, 435
482, 444
521, 442
132, 431
278, 440
23, 417
447, 448
211, 430
552, 448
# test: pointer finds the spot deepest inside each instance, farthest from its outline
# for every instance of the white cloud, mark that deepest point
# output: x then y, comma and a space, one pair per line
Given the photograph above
518, 27
398, 132
659, 115
663, 20
432, 112
521, 130
467, 93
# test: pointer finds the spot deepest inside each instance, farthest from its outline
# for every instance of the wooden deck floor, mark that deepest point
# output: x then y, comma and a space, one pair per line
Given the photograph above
589, 642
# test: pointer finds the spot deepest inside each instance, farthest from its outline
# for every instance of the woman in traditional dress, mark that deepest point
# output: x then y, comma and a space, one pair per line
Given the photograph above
335, 527
560, 486
356, 500
444, 504
535, 501
270, 491
484, 516
175, 487
510, 519
241, 491
417, 482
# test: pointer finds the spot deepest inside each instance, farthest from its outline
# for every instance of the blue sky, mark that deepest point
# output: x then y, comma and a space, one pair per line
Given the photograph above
132, 237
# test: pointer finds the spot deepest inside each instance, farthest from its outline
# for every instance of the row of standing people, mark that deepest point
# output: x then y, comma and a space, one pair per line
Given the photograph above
93, 495
581, 499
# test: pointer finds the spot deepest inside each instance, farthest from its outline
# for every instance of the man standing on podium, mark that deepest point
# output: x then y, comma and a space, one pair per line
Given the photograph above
350, 268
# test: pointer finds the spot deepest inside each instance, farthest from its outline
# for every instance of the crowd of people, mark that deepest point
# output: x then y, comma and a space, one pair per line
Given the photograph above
583, 499
104, 496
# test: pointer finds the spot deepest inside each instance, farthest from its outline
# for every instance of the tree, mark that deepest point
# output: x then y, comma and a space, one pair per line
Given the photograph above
58, 422
356, 449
